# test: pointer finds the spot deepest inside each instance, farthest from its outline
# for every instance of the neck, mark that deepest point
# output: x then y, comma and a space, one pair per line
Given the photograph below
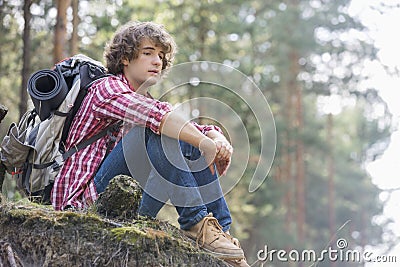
142, 89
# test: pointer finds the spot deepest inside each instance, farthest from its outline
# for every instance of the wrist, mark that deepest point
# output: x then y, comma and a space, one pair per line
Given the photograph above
216, 136
220, 139
206, 144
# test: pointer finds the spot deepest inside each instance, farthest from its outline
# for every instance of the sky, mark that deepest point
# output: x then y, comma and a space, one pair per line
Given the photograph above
383, 28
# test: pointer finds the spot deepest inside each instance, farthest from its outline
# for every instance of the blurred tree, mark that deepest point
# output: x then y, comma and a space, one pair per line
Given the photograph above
60, 34
330, 175
26, 58
10, 60
75, 25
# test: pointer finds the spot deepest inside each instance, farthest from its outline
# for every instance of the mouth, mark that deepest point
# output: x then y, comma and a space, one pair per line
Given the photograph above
154, 72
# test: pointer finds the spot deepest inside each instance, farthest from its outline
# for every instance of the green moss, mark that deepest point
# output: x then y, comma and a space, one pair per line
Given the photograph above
144, 222
129, 234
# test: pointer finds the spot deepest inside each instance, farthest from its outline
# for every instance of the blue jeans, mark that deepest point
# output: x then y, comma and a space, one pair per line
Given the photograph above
170, 170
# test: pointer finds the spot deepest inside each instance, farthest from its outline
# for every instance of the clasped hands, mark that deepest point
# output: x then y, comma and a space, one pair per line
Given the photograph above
217, 151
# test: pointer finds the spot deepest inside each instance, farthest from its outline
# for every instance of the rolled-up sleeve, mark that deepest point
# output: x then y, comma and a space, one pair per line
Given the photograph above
206, 128
115, 99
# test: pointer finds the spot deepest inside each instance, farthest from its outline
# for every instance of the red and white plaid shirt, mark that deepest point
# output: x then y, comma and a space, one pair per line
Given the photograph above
109, 100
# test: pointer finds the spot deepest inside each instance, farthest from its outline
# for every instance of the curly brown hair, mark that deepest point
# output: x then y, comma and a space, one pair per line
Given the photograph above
126, 43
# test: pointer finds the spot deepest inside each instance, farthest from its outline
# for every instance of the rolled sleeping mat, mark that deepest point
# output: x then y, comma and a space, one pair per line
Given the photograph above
47, 89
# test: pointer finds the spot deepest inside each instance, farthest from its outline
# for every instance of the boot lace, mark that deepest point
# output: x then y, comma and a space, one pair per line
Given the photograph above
210, 225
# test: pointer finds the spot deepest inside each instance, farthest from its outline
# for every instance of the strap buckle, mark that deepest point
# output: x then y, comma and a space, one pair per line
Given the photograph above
57, 164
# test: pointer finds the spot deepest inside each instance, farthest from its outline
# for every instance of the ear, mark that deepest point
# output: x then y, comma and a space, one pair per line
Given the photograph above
125, 61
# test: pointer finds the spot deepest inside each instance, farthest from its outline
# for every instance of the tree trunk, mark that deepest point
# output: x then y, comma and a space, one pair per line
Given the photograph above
299, 154
331, 181
202, 35
26, 58
287, 158
60, 34
75, 24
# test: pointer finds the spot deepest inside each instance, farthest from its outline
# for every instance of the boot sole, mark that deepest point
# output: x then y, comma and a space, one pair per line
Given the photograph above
223, 256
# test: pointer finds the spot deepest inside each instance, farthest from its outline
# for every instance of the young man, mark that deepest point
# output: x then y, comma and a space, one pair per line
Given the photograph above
136, 57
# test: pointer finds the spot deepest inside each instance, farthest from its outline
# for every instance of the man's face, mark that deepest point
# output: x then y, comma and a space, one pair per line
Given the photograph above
146, 67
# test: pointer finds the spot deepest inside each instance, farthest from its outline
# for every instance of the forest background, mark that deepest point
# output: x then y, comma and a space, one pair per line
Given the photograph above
307, 57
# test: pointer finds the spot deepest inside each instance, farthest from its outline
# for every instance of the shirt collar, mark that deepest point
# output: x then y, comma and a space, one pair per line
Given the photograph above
125, 80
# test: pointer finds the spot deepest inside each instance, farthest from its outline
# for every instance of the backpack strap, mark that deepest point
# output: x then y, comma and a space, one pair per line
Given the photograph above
108, 130
71, 114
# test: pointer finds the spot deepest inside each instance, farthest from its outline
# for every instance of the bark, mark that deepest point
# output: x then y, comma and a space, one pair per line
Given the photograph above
300, 150
287, 157
39, 236
23, 104
75, 24
60, 34
331, 181
300, 168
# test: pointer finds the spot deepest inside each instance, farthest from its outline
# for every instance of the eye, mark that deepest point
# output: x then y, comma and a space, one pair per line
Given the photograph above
161, 54
147, 53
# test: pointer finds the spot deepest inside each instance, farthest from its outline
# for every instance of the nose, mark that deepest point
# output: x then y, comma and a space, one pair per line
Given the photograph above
157, 60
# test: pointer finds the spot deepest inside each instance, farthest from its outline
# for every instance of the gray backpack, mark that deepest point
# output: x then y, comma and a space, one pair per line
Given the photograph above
33, 150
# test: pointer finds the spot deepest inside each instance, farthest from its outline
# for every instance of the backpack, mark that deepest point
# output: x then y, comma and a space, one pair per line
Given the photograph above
33, 150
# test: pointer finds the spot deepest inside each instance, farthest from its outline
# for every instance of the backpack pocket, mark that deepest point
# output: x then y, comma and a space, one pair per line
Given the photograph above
14, 150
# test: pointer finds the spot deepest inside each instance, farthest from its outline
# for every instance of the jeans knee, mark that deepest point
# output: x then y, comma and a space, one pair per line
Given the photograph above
162, 149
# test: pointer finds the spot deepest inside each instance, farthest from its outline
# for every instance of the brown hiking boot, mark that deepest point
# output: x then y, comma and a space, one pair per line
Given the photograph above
236, 263
210, 237
233, 240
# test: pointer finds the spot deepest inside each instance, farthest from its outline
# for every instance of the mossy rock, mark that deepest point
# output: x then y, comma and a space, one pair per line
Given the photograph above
121, 199
40, 236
